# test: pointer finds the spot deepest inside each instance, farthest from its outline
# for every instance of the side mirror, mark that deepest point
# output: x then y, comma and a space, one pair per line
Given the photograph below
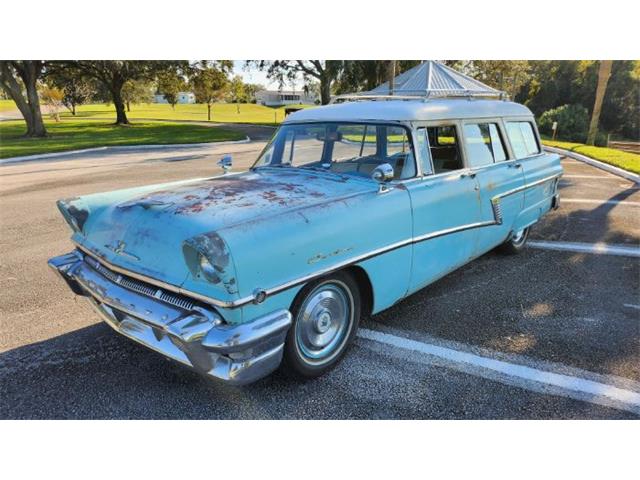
383, 174
226, 162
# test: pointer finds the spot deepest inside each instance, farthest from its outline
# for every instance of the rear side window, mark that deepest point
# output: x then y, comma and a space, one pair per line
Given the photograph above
523, 139
484, 145
445, 153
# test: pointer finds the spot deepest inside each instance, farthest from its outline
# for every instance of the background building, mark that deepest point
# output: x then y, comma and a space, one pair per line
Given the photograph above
278, 98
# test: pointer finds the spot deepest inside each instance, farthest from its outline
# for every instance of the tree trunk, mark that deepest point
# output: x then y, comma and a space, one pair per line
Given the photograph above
604, 73
73, 109
128, 106
208, 112
325, 90
29, 107
116, 94
38, 129
391, 75
238, 108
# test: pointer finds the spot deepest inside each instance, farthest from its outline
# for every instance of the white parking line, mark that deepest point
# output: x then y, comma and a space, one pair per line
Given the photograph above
600, 202
526, 376
631, 305
578, 247
611, 177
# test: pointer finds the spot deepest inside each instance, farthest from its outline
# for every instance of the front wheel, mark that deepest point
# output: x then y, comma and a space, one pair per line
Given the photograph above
516, 242
326, 314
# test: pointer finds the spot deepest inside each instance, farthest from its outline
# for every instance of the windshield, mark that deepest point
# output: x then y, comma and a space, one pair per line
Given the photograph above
345, 148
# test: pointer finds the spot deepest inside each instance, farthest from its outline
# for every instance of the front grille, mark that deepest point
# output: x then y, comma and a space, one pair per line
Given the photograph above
141, 287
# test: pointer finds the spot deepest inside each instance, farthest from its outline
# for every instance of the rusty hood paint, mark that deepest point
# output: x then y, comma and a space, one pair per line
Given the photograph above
146, 229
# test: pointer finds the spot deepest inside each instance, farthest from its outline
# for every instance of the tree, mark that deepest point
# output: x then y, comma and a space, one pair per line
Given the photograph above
52, 97
209, 82
604, 72
251, 89
17, 76
391, 75
170, 84
572, 122
77, 88
114, 74
237, 91
324, 71
359, 75
505, 75
137, 91
555, 83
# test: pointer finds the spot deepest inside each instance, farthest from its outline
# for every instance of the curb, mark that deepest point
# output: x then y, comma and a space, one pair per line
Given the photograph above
595, 163
117, 148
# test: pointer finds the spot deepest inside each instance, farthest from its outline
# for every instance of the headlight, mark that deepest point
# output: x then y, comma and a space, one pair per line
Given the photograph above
207, 269
208, 258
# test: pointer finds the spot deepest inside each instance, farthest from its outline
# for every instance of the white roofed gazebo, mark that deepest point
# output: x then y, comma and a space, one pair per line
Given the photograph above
429, 79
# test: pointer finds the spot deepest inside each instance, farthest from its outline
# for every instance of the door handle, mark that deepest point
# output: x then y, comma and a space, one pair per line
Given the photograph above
468, 174
516, 165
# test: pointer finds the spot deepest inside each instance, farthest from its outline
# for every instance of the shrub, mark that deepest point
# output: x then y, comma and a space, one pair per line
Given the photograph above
573, 122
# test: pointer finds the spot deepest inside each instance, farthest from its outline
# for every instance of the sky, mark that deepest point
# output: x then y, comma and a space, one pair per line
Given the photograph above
253, 75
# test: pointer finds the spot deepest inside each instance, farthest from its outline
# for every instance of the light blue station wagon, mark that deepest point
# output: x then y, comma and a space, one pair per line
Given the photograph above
349, 209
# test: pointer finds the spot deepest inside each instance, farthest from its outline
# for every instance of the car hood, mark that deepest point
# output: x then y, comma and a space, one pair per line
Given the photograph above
145, 229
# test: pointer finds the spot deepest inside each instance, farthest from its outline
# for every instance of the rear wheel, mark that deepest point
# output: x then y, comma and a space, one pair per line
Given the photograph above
326, 314
516, 242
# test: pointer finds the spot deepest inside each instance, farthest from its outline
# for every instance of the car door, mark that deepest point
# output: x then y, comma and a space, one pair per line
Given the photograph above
446, 208
500, 180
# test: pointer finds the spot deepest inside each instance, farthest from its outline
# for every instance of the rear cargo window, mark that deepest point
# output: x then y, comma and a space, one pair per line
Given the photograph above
523, 139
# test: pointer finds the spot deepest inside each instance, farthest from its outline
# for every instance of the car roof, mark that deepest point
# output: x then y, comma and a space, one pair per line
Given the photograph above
411, 110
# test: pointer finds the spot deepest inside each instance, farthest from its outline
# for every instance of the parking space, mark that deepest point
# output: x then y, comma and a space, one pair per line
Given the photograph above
546, 334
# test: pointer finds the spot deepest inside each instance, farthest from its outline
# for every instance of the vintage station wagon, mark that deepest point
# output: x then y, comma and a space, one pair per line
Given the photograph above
348, 210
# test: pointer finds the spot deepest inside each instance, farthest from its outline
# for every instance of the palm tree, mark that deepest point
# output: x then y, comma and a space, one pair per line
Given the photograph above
603, 78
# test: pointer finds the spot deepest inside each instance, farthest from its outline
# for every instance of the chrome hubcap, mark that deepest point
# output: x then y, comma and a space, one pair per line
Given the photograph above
323, 322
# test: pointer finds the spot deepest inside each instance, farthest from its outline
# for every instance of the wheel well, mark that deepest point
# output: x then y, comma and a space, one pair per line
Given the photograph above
366, 290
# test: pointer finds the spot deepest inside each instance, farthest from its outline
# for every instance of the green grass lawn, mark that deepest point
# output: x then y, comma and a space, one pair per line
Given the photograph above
6, 105
220, 112
626, 160
73, 134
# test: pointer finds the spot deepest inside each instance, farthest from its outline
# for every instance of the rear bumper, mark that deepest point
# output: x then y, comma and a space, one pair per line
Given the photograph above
196, 337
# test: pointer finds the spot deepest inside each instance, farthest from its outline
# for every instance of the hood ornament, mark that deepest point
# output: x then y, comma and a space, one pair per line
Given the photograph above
119, 249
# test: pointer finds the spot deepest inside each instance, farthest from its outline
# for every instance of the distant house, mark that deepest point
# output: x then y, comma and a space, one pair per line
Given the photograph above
278, 98
183, 97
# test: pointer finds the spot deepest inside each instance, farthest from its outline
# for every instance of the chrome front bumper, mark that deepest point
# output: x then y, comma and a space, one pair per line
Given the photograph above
197, 337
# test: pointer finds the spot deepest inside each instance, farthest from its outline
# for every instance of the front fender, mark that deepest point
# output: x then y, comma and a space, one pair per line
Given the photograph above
280, 254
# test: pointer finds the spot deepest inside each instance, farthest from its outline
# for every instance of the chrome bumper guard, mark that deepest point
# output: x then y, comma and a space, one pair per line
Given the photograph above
198, 338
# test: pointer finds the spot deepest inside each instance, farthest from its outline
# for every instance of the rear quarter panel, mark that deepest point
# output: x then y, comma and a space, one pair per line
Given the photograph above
537, 199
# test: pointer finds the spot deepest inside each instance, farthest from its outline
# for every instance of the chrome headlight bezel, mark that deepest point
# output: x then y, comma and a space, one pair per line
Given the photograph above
75, 216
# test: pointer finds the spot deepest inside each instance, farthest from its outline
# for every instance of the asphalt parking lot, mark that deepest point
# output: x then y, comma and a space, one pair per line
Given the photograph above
551, 333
